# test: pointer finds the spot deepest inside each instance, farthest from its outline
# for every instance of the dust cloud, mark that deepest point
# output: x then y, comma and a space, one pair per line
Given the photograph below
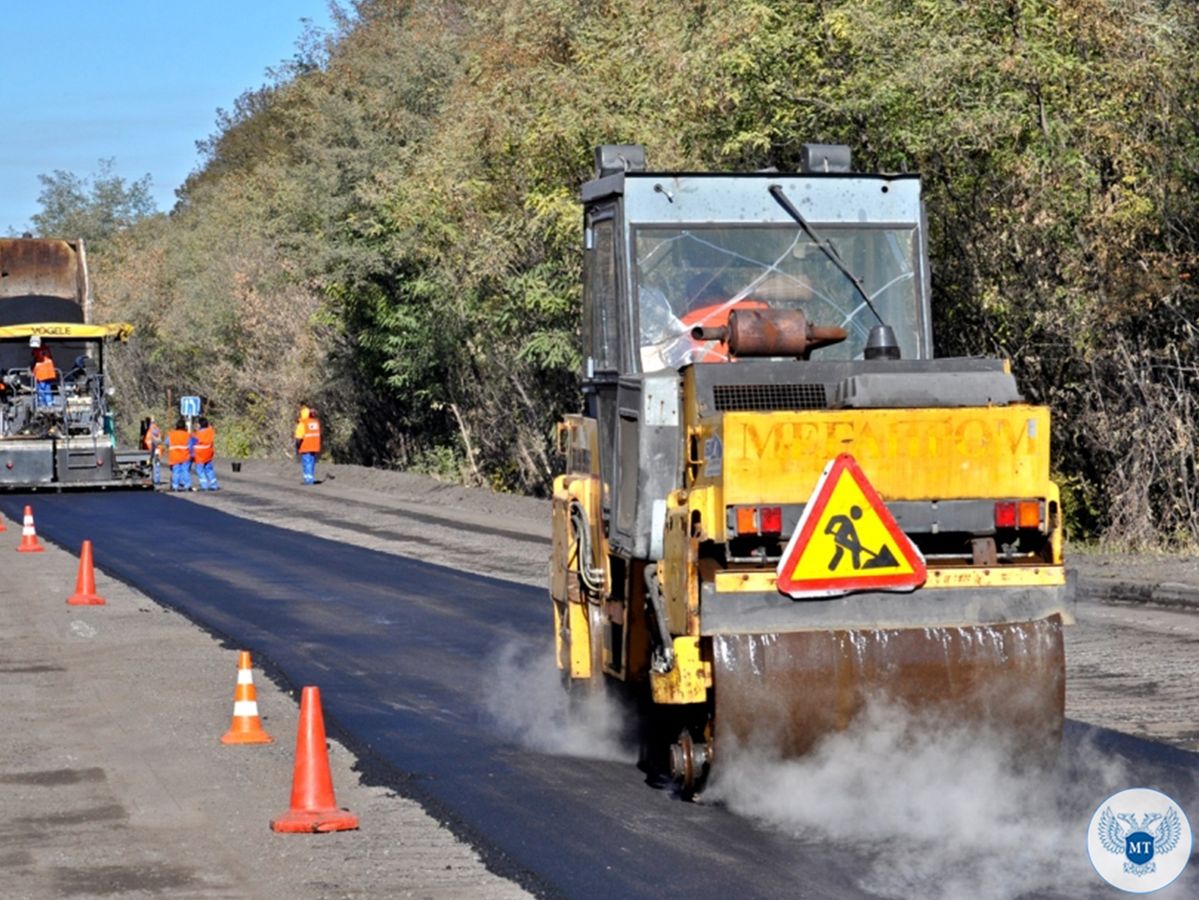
528, 705
942, 811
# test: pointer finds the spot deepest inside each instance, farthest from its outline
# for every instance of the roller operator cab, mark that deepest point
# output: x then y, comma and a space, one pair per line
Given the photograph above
777, 504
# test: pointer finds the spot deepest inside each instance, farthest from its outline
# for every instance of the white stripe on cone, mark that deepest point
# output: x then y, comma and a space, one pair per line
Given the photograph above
245, 708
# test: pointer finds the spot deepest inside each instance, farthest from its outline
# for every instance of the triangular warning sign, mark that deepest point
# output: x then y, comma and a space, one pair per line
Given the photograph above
847, 540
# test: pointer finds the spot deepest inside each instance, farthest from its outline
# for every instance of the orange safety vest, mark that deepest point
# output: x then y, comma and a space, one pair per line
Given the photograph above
204, 439
152, 441
311, 441
43, 366
177, 438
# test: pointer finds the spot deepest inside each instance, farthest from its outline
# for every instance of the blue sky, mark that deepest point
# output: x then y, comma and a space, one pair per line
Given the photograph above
135, 80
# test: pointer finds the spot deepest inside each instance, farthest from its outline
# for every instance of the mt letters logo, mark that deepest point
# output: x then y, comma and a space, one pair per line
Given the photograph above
1139, 840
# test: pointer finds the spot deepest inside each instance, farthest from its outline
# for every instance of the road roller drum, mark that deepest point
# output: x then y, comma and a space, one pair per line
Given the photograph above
1004, 677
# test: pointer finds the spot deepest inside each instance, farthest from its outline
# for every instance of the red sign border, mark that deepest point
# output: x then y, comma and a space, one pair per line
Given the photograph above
827, 587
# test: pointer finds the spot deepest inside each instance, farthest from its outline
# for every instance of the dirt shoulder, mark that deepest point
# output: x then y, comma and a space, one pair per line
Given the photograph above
114, 782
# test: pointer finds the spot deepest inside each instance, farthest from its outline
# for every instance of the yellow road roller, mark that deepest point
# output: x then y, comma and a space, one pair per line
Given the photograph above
778, 505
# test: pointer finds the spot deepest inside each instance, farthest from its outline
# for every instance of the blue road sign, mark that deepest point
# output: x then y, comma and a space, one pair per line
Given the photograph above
189, 406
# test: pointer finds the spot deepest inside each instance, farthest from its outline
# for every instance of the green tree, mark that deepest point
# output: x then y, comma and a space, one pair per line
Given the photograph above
93, 207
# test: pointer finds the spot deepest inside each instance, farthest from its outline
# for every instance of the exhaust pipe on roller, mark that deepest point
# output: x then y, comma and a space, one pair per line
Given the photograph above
769, 333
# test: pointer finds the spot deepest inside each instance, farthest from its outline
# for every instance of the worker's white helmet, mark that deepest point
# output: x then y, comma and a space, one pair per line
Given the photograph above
35, 341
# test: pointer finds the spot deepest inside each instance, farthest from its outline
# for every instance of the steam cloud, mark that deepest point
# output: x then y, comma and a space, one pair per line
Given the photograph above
942, 811
528, 705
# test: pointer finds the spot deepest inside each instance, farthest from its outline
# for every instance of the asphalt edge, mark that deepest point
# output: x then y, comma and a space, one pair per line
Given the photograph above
1169, 595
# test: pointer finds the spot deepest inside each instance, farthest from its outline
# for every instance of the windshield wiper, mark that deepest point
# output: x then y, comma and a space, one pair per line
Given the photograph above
776, 191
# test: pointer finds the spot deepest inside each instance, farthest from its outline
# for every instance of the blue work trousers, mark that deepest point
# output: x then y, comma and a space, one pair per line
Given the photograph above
181, 477
308, 467
44, 398
155, 466
207, 475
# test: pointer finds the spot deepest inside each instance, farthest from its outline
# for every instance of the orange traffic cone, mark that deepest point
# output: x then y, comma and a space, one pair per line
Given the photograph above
246, 727
29, 541
313, 806
85, 582
3, 527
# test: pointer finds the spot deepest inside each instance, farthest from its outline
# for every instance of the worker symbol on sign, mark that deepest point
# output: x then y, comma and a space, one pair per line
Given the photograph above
845, 535
847, 540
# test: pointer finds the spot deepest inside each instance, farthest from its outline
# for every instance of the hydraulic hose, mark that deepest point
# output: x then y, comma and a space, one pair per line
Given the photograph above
592, 577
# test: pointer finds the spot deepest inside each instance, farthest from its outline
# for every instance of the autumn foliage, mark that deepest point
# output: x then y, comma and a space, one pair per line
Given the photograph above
390, 228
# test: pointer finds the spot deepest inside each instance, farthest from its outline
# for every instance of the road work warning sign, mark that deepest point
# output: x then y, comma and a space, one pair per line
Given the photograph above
847, 540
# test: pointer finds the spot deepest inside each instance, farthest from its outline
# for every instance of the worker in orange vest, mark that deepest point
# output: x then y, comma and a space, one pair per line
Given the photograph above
308, 442
44, 372
203, 452
179, 456
153, 442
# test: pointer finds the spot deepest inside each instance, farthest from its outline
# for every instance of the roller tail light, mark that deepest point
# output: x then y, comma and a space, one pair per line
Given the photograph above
766, 520
1019, 514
